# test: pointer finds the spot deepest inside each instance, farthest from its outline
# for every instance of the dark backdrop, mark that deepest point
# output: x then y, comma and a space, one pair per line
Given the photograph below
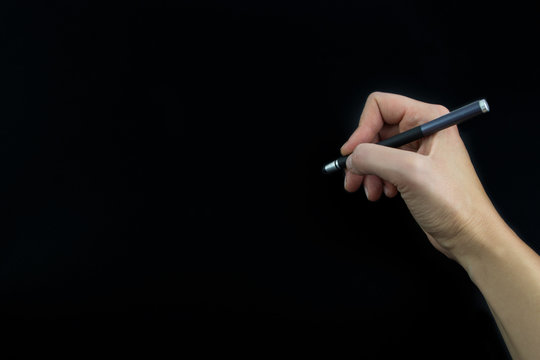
161, 172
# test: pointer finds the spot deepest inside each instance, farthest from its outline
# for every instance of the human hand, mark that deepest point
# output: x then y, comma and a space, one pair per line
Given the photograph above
434, 175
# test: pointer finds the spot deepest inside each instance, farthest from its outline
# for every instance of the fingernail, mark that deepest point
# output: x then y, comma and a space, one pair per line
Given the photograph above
386, 190
342, 146
345, 183
365, 190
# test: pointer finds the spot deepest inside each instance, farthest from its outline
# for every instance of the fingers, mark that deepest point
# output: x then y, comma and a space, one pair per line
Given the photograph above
352, 181
380, 108
395, 166
372, 185
385, 115
389, 189
389, 109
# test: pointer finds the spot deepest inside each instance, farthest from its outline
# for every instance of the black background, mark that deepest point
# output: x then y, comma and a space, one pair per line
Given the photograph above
161, 173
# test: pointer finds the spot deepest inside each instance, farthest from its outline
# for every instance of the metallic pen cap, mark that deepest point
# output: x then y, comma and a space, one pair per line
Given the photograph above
484, 105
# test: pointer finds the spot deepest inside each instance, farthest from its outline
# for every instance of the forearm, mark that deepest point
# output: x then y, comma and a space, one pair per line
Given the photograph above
507, 272
507, 340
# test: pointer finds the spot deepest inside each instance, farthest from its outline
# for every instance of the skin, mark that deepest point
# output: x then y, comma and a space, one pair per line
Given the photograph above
437, 181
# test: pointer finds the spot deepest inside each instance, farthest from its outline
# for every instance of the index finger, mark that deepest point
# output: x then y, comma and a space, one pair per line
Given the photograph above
385, 108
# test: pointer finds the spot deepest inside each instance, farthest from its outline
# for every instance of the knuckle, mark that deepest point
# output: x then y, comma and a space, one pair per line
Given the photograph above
374, 96
416, 164
441, 110
355, 159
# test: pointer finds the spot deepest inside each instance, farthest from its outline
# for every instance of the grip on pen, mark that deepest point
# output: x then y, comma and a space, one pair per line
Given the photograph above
453, 118
395, 141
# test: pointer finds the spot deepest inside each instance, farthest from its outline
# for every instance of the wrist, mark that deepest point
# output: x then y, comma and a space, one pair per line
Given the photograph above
487, 237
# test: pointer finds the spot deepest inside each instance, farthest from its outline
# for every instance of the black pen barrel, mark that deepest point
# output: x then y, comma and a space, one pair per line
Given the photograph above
403, 138
455, 117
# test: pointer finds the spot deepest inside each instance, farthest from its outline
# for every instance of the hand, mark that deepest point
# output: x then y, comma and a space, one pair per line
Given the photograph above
434, 175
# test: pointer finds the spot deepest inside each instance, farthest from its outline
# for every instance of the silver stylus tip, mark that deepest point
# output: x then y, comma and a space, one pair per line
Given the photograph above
331, 167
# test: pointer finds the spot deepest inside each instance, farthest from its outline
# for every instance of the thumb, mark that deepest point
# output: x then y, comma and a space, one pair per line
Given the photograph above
394, 165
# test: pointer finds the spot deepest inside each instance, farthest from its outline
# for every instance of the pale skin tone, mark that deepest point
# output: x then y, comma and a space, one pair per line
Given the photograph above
437, 181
